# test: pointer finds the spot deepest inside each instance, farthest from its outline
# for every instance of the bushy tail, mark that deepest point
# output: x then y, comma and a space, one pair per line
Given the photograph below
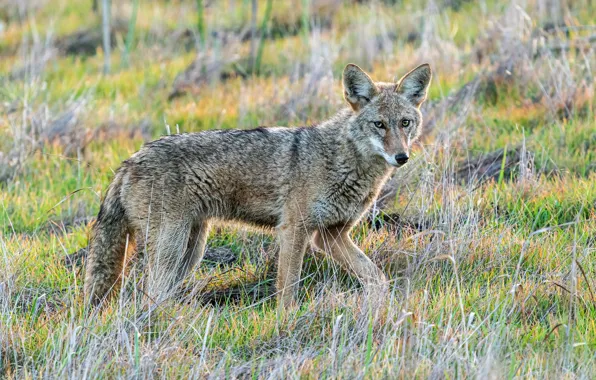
107, 246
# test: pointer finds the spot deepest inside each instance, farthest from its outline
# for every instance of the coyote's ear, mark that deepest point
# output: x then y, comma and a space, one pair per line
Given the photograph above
359, 89
414, 85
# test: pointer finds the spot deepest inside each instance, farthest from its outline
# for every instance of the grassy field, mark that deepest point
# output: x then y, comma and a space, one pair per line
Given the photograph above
488, 236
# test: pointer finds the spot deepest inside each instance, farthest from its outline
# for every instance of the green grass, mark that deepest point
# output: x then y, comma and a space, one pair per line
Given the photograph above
497, 279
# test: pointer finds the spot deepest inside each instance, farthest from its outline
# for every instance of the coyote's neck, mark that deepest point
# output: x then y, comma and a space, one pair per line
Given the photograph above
370, 167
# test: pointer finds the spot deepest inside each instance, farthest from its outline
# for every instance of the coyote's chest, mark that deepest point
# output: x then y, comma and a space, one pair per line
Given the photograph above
346, 199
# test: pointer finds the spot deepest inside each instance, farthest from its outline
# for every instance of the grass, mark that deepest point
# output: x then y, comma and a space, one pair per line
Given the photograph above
489, 277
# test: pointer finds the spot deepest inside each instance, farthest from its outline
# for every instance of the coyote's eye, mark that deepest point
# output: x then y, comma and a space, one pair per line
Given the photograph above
405, 123
379, 124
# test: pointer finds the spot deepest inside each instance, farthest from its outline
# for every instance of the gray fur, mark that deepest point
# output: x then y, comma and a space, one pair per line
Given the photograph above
300, 181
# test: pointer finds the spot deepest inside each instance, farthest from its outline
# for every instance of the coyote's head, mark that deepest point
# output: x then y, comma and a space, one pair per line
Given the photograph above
387, 118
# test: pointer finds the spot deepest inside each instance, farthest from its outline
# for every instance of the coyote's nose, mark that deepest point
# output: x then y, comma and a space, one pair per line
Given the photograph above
401, 158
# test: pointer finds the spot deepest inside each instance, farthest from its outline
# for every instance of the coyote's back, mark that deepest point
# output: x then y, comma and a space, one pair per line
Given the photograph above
304, 182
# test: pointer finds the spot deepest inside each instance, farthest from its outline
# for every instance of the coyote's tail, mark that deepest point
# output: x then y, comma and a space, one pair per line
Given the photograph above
109, 238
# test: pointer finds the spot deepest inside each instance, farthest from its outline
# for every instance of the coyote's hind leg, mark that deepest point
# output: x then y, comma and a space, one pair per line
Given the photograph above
195, 248
166, 252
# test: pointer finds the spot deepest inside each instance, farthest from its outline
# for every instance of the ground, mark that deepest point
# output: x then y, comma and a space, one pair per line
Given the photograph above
488, 236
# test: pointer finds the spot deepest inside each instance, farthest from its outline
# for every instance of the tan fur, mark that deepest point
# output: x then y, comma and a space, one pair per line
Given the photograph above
303, 182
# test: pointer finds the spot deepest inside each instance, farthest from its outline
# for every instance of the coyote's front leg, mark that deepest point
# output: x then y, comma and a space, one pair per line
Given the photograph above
293, 241
337, 242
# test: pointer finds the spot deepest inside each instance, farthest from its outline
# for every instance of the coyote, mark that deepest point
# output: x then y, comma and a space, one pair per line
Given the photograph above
309, 184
